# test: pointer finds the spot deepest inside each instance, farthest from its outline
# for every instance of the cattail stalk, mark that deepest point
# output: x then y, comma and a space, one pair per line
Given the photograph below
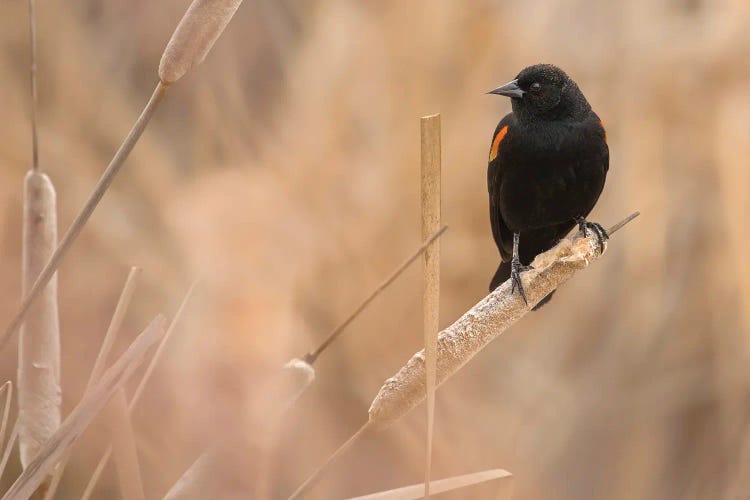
89, 490
39, 394
313, 355
109, 338
461, 341
430, 196
82, 415
202, 24
124, 448
32, 79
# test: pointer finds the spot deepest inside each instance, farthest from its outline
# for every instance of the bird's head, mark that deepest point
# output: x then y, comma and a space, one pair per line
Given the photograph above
544, 91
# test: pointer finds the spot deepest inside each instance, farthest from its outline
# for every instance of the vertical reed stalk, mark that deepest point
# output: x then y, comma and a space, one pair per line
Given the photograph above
124, 448
430, 195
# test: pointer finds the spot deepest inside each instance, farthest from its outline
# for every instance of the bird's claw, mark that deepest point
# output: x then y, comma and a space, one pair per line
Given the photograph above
515, 278
601, 234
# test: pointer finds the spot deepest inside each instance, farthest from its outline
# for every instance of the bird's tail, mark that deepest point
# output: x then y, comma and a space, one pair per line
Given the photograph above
503, 274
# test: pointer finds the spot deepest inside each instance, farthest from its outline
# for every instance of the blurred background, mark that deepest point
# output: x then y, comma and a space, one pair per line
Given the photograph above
284, 173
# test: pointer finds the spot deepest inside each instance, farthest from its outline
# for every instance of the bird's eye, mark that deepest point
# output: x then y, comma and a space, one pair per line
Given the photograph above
535, 86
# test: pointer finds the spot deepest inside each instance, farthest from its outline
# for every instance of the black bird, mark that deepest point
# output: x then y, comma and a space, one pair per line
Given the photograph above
547, 166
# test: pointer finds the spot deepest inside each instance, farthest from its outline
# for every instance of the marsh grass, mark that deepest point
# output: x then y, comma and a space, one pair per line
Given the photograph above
96, 474
82, 415
101, 362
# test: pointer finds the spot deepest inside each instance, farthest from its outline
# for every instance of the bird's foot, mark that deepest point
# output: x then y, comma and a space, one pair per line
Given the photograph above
601, 234
516, 268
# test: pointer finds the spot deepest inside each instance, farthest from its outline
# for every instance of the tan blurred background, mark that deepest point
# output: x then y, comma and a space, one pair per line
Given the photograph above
284, 174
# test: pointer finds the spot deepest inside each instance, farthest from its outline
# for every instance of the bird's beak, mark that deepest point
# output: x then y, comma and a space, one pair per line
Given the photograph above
510, 89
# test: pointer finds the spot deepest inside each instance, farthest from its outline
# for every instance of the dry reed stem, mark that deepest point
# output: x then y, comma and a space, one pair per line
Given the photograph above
8, 448
312, 356
32, 78
89, 490
416, 491
114, 325
458, 343
124, 448
84, 412
194, 482
39, 393
6, 388
313, 478
109, 338
494, 314
159, 350
430, 197
88, 208
193, 38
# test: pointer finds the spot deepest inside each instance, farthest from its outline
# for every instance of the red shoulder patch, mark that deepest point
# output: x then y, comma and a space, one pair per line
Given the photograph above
603, 129
496, 142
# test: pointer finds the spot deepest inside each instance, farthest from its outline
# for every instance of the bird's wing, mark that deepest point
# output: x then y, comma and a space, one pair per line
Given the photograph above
500, 232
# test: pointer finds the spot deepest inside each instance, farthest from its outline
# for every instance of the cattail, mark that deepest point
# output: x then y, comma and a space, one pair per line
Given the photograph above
458, 343
194, 36
192, 39
39, 392
82, 415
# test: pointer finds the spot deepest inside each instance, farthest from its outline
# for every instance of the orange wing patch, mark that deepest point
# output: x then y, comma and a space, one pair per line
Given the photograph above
603, 129
496, 142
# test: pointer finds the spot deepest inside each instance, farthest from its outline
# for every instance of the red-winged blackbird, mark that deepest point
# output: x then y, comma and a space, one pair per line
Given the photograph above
547, 166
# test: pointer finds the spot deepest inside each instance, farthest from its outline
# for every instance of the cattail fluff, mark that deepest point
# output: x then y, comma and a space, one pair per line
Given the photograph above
39, 343
199, 28
458, 343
